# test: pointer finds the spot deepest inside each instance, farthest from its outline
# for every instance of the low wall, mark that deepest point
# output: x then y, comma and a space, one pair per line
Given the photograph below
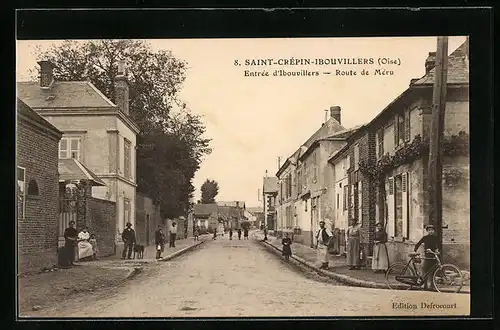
101, 222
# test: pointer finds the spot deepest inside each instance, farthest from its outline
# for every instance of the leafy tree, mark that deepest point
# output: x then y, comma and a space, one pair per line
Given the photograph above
171, 144
209, 189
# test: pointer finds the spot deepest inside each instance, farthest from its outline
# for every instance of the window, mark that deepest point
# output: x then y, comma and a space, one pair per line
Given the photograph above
69, 147
399, 130
299, 177
315, 169
400, 202
356, 157
380, 143
305, 205
33, 188
21, 198
338, 201
344, 197
127, 159
348, 162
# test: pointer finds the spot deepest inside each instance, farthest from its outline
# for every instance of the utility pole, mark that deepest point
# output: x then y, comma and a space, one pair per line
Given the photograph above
436, 138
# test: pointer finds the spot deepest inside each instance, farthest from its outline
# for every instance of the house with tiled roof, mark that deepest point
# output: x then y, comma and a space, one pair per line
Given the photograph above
389, 161
206, 217
99, 136
302, 181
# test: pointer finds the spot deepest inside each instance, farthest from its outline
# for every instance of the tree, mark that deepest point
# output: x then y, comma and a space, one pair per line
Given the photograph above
209, 189
171, 145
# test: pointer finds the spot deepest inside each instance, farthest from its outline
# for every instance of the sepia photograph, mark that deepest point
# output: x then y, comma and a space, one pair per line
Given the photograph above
243, 177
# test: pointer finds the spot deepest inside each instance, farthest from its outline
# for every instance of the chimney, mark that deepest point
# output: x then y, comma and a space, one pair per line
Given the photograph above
122, 88
430, 62
335, 113
46, 73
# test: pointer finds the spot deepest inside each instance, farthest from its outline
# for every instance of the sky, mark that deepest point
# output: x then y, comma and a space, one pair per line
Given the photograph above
253, 120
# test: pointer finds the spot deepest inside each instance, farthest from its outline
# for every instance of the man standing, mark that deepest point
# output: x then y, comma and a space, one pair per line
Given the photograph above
70, 236
323, 236
128, 237
159, 242
173, 233
265, 233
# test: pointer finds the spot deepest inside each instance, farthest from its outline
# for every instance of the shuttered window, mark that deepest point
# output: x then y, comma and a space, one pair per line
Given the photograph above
356, 157
390, 206
380, 143
344, 197
407, 126
360, 202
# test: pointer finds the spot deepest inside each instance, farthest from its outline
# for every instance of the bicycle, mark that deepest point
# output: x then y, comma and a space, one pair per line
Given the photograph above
405, 276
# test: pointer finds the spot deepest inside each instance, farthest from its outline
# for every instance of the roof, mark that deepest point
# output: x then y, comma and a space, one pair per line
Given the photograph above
458, 68
24, 110
231, 203
203, 209
331, 124
63, 94
255, 209
270, 184
73, 170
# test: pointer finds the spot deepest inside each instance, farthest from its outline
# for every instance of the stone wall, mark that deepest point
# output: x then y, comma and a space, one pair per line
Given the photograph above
101, 222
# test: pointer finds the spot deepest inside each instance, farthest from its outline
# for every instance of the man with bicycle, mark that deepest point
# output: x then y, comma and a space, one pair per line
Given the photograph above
431, 242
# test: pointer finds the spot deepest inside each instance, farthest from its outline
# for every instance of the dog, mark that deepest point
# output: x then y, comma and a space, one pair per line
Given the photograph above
138, 251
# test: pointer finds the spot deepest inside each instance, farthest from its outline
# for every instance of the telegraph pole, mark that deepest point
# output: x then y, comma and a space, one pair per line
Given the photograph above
436, 138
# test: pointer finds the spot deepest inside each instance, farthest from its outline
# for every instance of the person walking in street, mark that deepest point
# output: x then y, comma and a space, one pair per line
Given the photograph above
239, 233
70, 237
173, 233
323, 237
215, 234
430, 242
353, 245
230, 233
245, 233
159, 242
287, 251
380, 261
265, 233
196, 233
128, 237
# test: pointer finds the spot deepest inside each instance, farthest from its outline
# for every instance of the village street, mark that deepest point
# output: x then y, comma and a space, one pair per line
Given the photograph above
234, 278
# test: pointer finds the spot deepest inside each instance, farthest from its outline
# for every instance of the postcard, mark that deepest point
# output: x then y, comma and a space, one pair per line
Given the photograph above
255, 177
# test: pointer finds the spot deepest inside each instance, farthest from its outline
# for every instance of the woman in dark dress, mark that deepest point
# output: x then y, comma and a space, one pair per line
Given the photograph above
287, 251
380, 261
353, 245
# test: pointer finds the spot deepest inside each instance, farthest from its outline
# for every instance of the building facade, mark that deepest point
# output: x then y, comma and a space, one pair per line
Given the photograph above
206, 217
97, 132
37, 190
269, 198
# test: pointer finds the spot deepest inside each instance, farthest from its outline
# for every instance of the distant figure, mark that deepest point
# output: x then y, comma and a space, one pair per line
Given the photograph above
230, 233
128, 238
265, 233
173, 234
287, 251
159, 242
215, 234
245, 233
196, 233
239, 233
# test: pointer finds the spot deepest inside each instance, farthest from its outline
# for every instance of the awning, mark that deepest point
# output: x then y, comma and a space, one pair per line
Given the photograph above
73, 170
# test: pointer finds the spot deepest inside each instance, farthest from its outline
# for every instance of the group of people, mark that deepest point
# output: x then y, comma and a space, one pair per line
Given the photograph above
78, 246
238, 231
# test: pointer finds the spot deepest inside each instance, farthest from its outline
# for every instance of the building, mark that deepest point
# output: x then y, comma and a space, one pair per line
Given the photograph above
387, 166
231, 213
302, 181
258, 213
37, 190
206, 217
270, 195
97, 132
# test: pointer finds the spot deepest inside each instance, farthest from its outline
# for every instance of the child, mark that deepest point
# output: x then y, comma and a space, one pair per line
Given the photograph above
430, 242
287, 251
93, 242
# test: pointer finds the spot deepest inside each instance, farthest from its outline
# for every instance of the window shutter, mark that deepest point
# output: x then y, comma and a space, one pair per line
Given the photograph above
404, 188
407, 125
396, 131
344, 198
390, 208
